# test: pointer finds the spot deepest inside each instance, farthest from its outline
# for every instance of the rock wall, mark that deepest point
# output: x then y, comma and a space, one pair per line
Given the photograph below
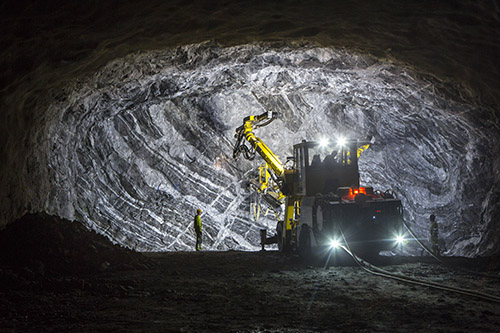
135, 148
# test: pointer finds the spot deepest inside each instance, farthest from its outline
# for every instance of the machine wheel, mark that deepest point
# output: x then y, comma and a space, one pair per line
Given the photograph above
279, 235
305, 241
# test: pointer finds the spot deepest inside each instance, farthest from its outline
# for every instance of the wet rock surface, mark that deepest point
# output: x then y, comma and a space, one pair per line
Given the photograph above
228, 291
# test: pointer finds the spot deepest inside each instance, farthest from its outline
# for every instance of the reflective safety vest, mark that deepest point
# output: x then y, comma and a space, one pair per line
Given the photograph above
197, 222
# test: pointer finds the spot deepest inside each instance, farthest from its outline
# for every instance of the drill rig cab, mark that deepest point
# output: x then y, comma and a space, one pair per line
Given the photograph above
330, 203
321, 167
322, 195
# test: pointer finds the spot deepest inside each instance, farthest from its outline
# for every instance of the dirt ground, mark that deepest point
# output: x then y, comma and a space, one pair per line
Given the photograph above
44, 288
247, 291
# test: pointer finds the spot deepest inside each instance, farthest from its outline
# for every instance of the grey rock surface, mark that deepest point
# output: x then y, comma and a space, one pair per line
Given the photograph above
134, 149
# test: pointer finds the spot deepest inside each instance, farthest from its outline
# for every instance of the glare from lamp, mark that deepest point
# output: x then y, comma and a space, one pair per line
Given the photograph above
400, 239
323, 142
334, 244
341, 142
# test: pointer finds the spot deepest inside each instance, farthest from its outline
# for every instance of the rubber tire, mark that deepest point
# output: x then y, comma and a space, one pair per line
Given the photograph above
279, 235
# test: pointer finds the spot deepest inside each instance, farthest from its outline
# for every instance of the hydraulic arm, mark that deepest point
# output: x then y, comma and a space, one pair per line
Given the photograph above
272, 164
246, 131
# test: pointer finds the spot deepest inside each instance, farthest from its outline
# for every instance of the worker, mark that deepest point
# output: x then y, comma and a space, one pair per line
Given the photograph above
330, 159
434, 235
197, 229
316, 161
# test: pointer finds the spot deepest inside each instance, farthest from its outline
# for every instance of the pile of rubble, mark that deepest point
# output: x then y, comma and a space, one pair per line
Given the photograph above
44, 244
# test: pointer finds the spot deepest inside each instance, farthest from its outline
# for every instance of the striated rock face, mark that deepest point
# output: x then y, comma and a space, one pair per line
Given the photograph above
134, 149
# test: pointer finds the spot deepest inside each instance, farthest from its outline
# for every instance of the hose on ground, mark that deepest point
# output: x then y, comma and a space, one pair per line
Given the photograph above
441, 261
383, 273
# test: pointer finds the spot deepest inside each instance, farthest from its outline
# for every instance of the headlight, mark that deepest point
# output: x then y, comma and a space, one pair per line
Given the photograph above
334, 244
323, 142
341, 142
400, 240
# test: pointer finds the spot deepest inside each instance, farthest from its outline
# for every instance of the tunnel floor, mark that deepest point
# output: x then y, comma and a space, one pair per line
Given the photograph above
246, 291
56, 275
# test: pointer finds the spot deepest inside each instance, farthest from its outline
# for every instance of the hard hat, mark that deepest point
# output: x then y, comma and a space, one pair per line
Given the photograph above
199, 211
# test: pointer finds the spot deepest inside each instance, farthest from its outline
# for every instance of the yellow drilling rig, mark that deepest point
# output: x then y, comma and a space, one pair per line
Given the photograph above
320, 189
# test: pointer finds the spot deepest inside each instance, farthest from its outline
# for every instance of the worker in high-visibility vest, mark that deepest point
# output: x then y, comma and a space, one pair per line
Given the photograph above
197, 229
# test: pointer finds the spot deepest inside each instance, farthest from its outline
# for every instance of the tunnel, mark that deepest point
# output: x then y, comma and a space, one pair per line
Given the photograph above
130, 139
122, 116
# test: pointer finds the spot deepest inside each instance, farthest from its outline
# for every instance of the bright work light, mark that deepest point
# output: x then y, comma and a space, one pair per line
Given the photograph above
323, 142
334, 243
341, 142
400, 240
